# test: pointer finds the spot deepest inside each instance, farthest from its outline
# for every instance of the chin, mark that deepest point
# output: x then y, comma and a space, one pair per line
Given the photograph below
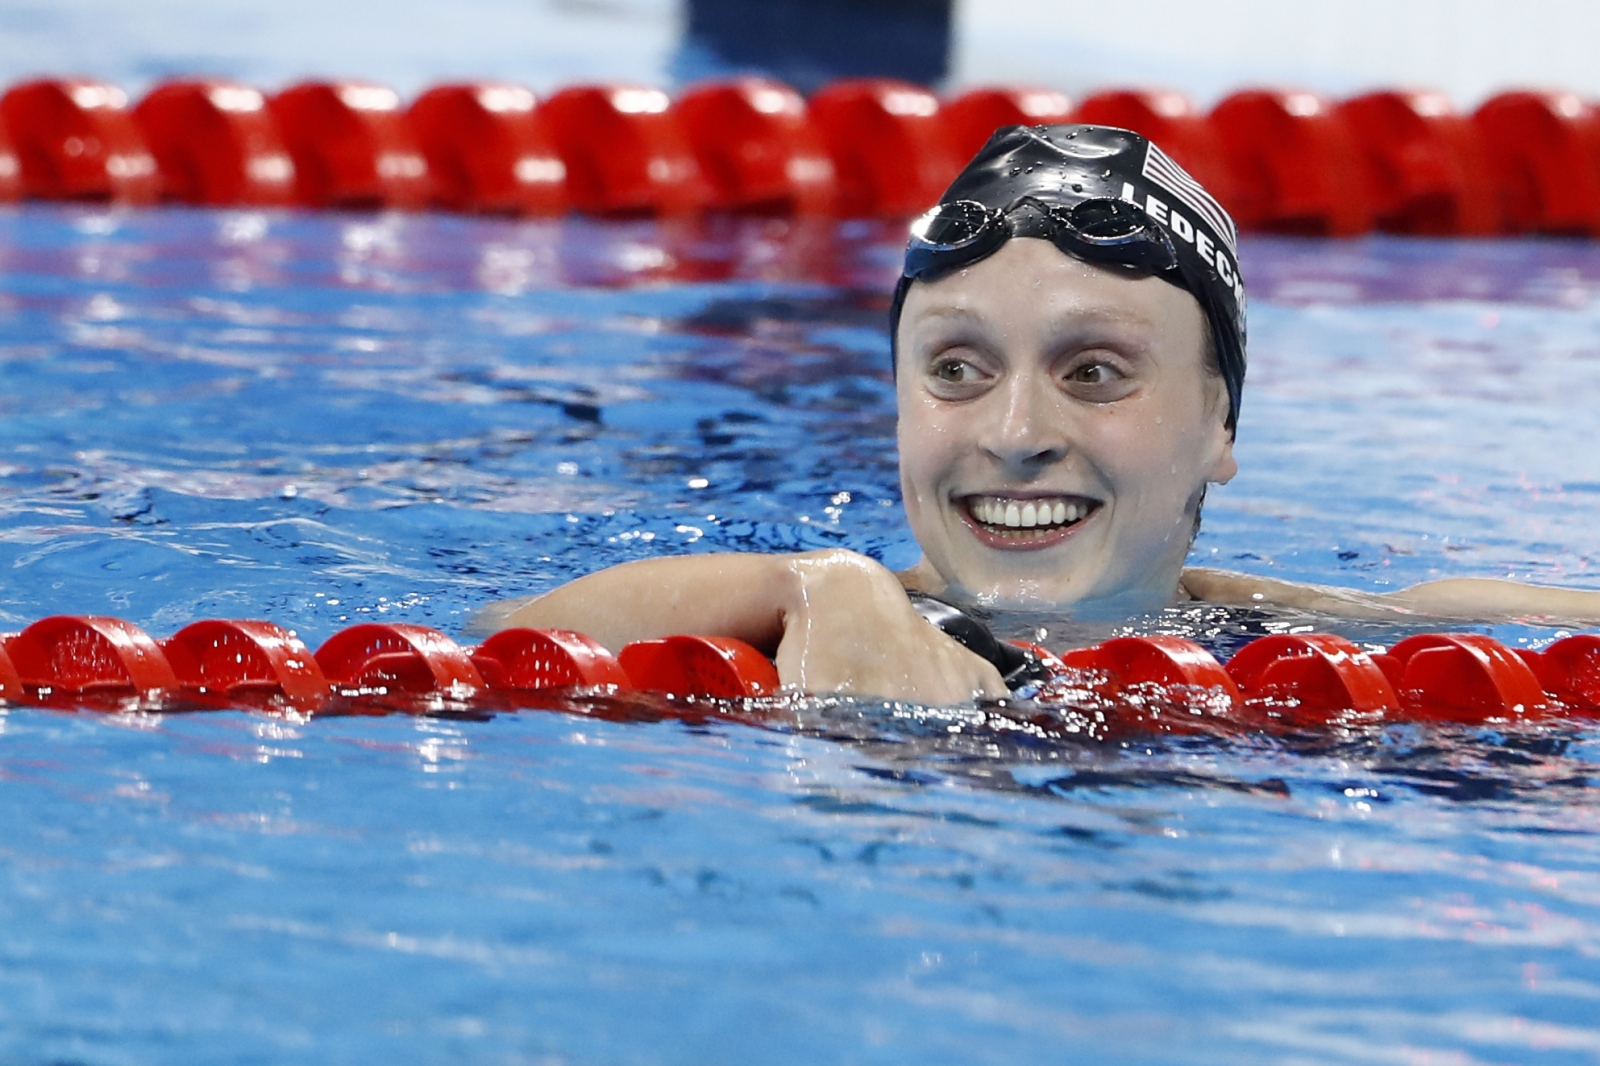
1054, 581
1055, 587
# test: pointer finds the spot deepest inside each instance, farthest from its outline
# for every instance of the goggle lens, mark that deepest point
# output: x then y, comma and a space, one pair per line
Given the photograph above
953, 225
1112, 221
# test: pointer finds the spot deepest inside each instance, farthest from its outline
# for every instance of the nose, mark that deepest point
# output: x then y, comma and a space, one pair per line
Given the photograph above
1028, 427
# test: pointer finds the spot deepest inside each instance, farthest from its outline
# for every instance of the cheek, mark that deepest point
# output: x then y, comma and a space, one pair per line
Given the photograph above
921, 446
1153, 449
929, 439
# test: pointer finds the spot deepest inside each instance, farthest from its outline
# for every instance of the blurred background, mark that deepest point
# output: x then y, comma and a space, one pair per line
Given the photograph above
1467, 48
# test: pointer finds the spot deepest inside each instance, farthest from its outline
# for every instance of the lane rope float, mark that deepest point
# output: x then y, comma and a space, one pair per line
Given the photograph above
1157, 683
1400, 161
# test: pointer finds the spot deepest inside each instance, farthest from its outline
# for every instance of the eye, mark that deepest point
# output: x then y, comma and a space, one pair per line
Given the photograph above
957, 374
954, 371
1098, 379
1093, 374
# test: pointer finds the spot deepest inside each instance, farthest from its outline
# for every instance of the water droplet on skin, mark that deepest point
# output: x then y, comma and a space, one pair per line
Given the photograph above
1077, 187
1106, 173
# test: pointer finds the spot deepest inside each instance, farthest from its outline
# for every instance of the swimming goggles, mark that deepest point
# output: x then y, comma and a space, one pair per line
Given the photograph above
1099, 230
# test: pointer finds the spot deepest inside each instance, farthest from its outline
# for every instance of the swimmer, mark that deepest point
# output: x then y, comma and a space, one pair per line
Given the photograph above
1069, 356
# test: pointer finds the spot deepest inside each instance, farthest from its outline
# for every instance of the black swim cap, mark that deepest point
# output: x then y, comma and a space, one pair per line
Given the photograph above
1103, 195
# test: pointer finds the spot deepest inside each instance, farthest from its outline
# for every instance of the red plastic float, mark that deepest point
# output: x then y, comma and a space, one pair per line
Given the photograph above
1164, 683
352, 146
1047, 658
397, 659
1426, 168
1296, 167
1283, 161
718, 667
87, 655
215, 143
1462, 677
246, 660
625, 151
1171, 121
972, 117
892, 153
76, 140
488, 150
757, 147
1569, 670
10, 168
1159, 660
1543, 151
1176, 685
10, 681
1309, 679
533, 659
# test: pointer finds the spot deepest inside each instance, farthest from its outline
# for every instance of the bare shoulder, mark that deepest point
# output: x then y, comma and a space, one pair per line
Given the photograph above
1480, 599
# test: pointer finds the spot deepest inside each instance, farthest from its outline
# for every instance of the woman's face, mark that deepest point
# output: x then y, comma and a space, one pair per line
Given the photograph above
1057, 429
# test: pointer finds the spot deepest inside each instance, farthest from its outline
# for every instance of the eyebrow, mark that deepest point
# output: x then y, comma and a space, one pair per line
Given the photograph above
1071, 320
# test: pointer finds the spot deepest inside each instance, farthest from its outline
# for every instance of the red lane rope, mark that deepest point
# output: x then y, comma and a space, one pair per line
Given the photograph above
1279, 159
1157, 683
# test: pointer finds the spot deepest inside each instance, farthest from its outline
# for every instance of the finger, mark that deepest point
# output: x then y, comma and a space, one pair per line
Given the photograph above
986, 681
994, 686
959, 677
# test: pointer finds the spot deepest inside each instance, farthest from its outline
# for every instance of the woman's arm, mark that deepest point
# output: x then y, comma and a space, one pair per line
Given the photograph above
743, 596
1478, 599
833, 620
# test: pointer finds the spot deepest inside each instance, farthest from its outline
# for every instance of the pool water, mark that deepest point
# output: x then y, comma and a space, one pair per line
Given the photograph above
329, 419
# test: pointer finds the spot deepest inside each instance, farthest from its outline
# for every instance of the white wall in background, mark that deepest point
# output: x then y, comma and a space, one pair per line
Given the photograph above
405, 44
1468, 48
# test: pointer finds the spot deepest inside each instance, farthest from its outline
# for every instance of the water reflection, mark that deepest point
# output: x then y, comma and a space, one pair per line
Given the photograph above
246, 251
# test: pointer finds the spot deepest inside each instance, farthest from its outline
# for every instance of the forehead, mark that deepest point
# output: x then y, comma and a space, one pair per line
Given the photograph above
1029, 286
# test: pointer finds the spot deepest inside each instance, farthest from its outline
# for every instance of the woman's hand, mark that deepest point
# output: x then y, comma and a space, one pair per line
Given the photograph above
848, 627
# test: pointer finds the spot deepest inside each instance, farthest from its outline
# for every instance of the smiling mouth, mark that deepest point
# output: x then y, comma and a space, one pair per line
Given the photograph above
1029, 521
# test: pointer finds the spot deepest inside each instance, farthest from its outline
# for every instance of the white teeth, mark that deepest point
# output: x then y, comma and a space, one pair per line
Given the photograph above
1026, 514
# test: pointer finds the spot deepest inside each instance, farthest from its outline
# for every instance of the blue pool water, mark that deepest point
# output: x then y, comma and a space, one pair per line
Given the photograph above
323, 419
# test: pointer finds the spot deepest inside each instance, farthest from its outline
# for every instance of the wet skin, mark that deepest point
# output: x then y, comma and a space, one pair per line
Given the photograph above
1074, 394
